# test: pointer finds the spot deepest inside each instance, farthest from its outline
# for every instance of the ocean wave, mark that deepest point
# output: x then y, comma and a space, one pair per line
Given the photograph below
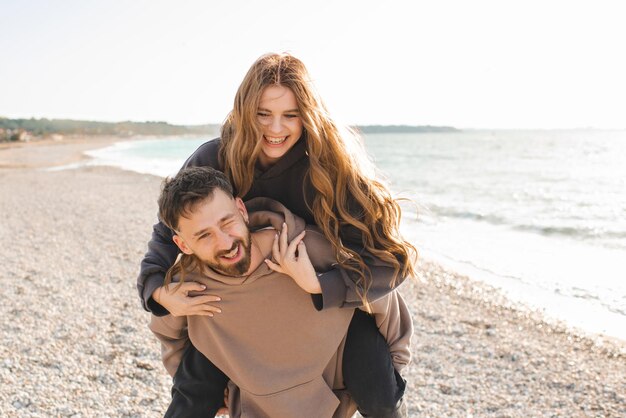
612, 238
609, 300
454, 213
569, 231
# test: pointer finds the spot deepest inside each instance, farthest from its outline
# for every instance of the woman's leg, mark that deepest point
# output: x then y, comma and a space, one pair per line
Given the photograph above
198, 389
368, 371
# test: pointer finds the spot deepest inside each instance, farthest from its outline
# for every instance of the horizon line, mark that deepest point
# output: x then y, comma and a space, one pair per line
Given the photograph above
463, 128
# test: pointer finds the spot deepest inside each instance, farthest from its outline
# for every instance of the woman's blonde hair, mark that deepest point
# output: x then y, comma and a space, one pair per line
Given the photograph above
346, 194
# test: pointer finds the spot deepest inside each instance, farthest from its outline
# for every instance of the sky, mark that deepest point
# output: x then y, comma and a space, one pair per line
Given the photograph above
470, 64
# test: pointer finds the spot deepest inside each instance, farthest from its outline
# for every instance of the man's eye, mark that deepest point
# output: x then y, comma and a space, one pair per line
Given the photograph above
203, 236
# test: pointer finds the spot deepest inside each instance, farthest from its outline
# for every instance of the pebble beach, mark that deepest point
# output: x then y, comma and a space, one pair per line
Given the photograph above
75, 341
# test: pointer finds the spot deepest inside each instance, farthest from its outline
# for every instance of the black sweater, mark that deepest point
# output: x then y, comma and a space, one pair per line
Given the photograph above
287, 182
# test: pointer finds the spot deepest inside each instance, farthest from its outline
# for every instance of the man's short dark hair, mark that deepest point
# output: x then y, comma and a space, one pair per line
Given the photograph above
189, 187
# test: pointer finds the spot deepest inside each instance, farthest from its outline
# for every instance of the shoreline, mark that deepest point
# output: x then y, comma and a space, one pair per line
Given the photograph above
51, 153
74, 321
580, 313
577, 315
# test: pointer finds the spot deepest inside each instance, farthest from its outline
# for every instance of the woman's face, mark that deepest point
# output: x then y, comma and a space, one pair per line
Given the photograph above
280, 123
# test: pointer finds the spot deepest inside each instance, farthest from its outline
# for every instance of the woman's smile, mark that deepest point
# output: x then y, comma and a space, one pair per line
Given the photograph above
280, 122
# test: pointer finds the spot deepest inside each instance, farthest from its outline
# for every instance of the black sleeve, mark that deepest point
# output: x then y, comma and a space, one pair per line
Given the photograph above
160, 256
338, 286
162, 251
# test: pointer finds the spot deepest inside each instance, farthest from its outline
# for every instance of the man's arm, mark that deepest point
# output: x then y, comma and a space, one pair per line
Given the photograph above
172, 333
394, 322
390, 312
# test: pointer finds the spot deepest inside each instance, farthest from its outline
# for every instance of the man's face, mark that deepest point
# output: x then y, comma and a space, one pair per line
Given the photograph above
217, 233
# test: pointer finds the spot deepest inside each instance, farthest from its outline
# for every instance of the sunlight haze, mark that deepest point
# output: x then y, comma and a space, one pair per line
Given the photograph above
482, 64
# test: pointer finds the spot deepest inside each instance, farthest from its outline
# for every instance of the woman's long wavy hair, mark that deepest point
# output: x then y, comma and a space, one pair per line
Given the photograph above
347, 193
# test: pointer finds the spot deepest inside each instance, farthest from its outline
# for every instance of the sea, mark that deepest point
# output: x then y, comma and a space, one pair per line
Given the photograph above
540, 215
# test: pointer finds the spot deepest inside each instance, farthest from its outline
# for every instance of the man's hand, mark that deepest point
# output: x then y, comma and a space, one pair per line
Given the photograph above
175, 298
299, 267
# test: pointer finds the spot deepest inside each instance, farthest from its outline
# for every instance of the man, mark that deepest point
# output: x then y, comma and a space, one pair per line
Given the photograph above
282, 355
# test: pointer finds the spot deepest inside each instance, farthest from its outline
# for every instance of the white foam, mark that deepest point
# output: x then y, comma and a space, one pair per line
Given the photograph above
567, 280
150, 156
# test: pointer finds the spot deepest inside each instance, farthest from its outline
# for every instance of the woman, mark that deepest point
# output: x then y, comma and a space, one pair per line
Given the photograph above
279, 142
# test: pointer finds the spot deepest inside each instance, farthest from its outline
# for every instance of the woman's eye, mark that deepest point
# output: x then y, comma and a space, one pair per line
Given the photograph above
263, 115
291, 116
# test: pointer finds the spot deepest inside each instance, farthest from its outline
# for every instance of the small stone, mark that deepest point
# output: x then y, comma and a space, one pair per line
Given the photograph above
445, 389
145, 366
20, 403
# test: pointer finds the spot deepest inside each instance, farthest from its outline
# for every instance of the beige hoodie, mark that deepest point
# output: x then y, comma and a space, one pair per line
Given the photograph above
282, 355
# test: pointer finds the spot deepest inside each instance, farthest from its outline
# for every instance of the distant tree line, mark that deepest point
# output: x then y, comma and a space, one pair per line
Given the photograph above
25, 129
386, 129
16, 129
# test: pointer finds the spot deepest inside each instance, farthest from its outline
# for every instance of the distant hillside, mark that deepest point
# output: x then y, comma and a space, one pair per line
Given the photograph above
379, 129
26, 129
16, 129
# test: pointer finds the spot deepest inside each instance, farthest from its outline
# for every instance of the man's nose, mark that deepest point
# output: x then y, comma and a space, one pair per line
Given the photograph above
224, 241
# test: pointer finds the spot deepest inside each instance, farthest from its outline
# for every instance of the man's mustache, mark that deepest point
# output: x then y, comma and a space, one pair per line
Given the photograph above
235, 244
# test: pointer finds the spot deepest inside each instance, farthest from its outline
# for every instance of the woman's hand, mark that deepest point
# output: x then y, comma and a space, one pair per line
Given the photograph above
298, 267
175, 298
223, 411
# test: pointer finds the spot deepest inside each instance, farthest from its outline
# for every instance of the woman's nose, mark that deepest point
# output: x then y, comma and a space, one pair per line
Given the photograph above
276, 126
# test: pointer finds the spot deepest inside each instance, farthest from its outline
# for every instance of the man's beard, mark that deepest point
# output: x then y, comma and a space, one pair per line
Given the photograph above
240, 267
